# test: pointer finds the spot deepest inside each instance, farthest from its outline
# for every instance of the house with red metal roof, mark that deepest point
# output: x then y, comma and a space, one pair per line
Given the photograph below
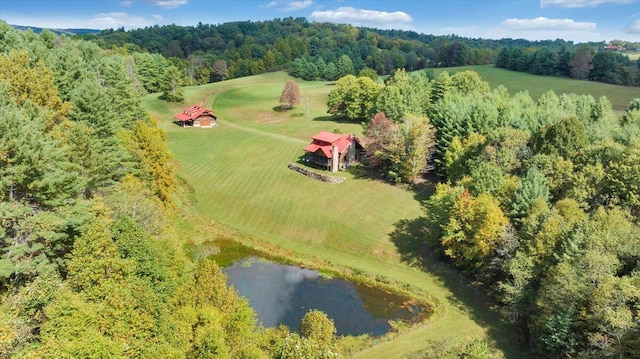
196, 116
333, 151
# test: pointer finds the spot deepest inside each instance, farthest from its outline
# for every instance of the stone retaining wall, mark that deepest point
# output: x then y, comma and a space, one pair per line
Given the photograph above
316, 176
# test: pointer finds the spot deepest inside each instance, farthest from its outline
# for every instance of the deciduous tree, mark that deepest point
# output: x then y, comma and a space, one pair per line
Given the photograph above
290, 95
354, 97
219, 71
581, 63
317, 326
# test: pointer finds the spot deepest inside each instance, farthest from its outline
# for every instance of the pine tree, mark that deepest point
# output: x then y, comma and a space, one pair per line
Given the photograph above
92, 138
533, 185
171, 85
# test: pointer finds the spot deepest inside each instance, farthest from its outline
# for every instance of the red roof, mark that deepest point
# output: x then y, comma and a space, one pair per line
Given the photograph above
325, 141
327, 136
193, 112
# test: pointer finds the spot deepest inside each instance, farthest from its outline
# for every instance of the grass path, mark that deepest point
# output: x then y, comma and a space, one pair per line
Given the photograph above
238, 171
264, 133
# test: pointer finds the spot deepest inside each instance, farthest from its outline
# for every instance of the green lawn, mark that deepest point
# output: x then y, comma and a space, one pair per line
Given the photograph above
239, 173
620, 96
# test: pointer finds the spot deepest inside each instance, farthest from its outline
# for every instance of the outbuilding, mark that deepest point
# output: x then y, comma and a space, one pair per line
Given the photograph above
196, 116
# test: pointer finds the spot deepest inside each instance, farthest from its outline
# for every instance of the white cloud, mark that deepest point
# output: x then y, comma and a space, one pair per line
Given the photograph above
500, 32
288, 5
121, 19
633, 28
580, 3
362, 17
167, 4
126, 3
543, 23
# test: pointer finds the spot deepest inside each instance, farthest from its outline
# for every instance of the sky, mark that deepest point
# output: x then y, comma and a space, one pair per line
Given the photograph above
572, 20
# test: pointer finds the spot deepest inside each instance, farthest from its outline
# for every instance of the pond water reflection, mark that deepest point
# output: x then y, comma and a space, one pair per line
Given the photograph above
283, 294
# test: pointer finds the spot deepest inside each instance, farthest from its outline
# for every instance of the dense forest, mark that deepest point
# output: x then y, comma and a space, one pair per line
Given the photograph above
91, 265
538, 201
583, 63
208, 53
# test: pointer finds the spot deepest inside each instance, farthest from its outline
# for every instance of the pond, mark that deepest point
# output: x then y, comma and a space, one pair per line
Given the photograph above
283, 294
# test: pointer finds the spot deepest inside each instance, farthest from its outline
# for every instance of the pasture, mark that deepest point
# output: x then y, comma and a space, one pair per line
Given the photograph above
620, 96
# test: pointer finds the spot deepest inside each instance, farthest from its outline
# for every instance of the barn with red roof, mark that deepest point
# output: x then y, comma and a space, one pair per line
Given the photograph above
333, 151
196, 116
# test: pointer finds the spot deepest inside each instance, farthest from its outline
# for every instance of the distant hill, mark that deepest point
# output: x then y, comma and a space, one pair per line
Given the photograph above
327, 51
253, 47
38, 30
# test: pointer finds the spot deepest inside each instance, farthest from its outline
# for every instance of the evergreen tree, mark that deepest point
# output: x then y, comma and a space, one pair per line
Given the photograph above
171, 85
565, 138
93, 141
331, 72
344, 66
532, 186
605, 68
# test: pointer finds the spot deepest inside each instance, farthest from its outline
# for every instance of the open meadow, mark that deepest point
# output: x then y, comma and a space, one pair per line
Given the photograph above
238, 172
620, 96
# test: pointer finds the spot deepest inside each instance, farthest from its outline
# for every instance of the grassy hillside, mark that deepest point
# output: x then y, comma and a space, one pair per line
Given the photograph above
239, 173
620, 96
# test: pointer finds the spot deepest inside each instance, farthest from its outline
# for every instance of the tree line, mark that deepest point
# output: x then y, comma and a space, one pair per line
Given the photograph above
208, 53
583, 63
253, 47
90, 262
538, 201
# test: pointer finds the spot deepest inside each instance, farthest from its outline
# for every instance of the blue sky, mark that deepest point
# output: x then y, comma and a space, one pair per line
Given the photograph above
575, 20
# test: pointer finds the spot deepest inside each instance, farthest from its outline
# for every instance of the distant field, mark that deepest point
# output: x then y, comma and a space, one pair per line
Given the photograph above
620, 96
632, 55
239, 173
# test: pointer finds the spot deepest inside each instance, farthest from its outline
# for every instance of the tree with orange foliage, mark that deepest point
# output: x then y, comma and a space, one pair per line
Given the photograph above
290, 95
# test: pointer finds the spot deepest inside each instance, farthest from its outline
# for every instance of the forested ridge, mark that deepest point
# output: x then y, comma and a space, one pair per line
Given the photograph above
538, 201
209, 52
91, 263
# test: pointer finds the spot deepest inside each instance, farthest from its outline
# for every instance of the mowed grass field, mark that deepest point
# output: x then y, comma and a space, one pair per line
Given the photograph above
238, 171
620, 96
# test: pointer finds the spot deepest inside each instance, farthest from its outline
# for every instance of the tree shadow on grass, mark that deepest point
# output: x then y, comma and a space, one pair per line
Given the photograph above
411, 238
362, 171
422, 189
333, 119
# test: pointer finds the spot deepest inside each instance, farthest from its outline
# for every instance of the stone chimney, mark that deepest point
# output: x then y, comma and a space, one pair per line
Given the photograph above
335, 160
